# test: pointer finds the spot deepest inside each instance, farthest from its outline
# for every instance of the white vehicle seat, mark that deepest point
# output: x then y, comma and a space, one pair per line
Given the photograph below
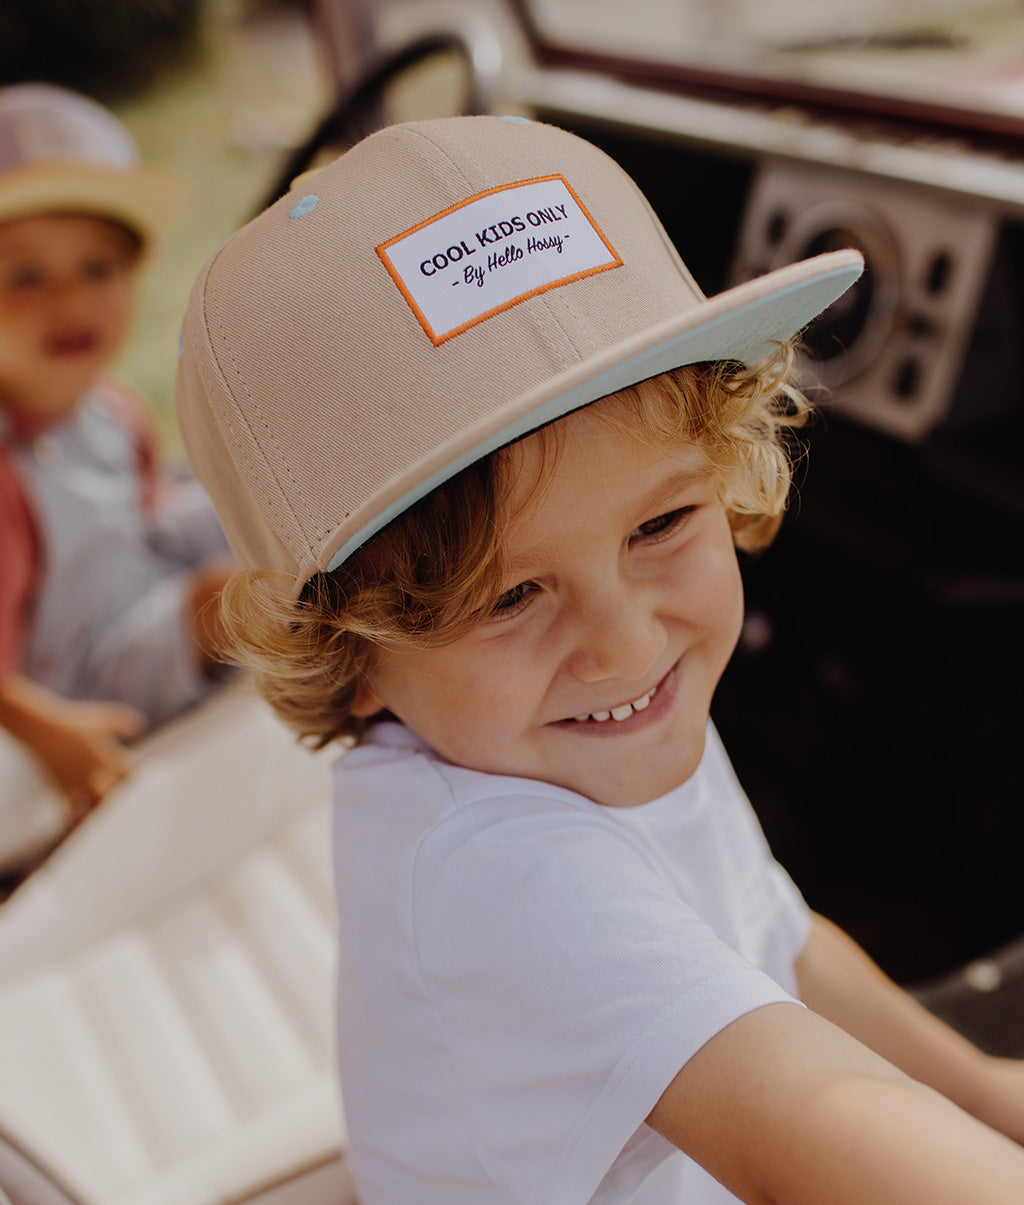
166, 979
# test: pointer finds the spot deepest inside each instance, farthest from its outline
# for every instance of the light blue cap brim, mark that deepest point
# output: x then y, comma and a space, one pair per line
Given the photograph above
744, 324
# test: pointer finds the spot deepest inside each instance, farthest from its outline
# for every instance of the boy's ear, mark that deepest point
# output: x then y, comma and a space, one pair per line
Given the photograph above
366, 702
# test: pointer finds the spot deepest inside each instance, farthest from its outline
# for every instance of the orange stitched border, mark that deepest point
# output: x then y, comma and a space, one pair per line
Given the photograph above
382, 252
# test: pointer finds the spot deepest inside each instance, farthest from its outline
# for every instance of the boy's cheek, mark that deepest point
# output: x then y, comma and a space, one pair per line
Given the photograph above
709, 586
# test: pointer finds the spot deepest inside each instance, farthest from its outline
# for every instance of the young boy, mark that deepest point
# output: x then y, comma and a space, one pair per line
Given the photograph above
485, 451
109, 567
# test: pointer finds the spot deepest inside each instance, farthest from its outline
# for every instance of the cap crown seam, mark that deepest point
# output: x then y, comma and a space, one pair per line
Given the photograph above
285, 505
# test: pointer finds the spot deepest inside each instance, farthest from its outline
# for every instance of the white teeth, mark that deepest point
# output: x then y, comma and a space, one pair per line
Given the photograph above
619, 713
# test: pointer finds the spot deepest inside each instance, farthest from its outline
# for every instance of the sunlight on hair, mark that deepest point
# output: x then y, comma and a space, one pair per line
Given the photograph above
426, 578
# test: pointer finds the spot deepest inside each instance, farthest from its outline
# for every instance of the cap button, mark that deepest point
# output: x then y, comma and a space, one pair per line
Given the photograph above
301, 208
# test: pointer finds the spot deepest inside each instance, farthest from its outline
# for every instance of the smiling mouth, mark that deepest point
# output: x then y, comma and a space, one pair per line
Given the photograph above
620, 713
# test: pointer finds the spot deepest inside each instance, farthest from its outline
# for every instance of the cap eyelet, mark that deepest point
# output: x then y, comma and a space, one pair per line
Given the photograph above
301, 208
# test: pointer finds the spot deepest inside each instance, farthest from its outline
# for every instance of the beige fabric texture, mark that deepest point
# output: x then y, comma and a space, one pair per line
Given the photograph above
313, 401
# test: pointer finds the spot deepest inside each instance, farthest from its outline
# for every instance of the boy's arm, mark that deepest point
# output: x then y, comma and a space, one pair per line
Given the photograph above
841, 982
79, 742
784, 1108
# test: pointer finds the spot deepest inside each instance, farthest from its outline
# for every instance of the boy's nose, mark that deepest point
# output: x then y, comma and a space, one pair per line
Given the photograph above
69, 299
619, 635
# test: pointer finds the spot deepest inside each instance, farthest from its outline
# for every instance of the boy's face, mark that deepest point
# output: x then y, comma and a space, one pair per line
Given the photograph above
65, 305
624, 603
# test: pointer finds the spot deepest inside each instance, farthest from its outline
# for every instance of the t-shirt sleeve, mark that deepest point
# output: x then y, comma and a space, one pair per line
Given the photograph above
577, 985
19, 556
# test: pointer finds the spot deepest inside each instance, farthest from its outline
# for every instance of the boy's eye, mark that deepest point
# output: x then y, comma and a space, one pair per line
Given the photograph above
23, 278
663, 525
99, 269
512, 600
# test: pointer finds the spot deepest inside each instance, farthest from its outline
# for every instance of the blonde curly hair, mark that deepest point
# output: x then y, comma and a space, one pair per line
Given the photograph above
429, 575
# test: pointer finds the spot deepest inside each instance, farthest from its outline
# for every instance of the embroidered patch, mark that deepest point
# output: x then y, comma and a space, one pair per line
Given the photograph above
494, 250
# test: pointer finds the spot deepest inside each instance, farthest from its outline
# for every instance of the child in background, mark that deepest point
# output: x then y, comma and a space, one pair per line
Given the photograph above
486, 451
110, 570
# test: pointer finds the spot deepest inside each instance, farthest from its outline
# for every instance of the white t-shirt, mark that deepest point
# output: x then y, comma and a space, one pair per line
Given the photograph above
523, 972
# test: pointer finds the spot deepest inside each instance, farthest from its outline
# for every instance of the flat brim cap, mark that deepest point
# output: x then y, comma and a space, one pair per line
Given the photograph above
146, 200
439, 290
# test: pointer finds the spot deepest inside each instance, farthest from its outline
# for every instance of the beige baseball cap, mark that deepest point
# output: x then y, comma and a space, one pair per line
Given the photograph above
441, 289
61, 152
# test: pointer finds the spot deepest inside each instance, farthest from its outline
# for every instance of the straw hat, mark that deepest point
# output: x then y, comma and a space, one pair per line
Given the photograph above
63, 153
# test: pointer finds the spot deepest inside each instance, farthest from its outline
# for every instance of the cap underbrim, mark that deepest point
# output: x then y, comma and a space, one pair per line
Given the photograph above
744, 324
145, 199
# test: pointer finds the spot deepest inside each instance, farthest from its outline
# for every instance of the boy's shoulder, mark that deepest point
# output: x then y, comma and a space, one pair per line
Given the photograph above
410, 825
394, 792
395, 782
107, 400
391, 753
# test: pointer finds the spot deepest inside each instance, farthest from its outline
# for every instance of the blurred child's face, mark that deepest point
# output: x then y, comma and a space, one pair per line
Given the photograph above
65, 305
623, 606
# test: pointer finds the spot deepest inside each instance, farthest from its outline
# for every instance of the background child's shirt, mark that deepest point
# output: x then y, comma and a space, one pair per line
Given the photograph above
95, 607
19, 556
523, 972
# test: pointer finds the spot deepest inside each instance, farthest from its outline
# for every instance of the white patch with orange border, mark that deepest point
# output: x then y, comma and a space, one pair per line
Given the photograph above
494, 250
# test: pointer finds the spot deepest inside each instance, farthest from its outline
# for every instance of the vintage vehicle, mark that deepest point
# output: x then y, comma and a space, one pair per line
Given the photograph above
166, 972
